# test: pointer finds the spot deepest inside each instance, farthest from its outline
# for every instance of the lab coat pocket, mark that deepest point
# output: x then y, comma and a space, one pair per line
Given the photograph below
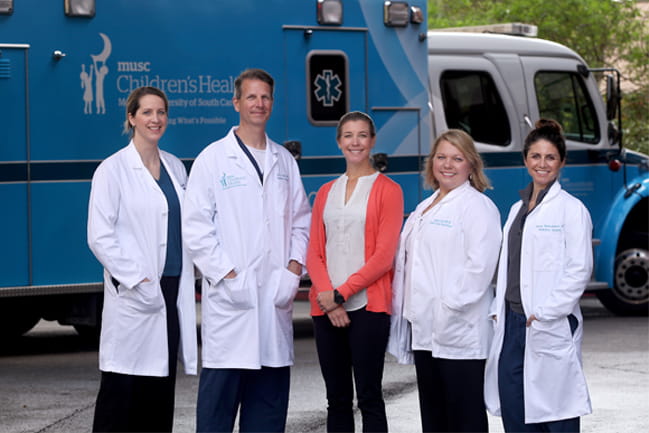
548, 250
550, 339
146, 297
286, 288
452, 328
236, 291
115, 287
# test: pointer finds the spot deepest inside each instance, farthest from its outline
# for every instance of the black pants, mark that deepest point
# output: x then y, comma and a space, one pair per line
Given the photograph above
129, 403
451, 396
358, 348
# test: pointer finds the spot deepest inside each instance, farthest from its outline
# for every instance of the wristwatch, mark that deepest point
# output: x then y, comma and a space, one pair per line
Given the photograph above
338, 298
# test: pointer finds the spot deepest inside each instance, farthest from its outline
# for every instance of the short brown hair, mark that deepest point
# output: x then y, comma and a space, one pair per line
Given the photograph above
253, 74
464, 143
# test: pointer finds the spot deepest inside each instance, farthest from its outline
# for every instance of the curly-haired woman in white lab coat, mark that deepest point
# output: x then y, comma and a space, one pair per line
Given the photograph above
534, 377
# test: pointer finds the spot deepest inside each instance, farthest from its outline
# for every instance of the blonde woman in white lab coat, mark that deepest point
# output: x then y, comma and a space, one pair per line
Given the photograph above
149, 308
534, 377
441, 292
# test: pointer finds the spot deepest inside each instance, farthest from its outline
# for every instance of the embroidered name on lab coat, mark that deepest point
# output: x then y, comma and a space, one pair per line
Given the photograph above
549, 227
442, 223
229, 181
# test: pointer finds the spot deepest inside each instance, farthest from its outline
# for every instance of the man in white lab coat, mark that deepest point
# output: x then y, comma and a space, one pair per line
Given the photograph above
245, 224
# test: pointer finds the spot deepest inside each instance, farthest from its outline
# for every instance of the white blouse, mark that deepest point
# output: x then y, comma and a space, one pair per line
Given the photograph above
345, 228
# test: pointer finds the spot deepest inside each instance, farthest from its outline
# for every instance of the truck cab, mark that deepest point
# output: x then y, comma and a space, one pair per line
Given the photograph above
495, 87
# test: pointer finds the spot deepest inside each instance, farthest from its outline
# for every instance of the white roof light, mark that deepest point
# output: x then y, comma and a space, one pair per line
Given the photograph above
396, 14
6, 7
416, 15
80, 8
330, 12
516, 29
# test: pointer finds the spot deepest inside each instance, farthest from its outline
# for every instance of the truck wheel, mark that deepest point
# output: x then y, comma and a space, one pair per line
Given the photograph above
630, 296
88, 333
16, 319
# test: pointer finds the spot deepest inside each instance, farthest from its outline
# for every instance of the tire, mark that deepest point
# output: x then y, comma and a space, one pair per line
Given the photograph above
89, 334
16, 318
630, 296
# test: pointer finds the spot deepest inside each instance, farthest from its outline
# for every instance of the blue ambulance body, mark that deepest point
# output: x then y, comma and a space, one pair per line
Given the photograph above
67, 67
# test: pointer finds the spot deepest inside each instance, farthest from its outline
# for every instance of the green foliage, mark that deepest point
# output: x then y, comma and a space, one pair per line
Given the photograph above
604, 32
635, 120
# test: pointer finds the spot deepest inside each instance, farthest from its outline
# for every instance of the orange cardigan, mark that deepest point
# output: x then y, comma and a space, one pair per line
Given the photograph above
384, 218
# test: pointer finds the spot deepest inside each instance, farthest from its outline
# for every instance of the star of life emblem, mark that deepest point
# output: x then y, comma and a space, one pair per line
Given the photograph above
327, 89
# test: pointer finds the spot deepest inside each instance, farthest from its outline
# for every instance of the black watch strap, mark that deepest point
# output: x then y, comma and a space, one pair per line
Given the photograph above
338, 298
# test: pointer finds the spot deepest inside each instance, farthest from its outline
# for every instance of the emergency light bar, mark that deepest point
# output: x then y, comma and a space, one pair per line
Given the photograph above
515, 29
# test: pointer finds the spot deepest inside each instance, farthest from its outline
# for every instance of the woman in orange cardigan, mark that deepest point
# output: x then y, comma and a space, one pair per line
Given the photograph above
355, 226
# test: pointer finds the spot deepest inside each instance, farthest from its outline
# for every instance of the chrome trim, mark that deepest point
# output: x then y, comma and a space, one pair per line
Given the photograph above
60, 289
344, 29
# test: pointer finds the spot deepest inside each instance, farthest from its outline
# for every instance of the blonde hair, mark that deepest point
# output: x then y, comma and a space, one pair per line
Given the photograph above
464, 143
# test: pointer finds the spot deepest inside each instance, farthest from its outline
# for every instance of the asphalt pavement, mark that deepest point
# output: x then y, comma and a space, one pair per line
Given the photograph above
49, 381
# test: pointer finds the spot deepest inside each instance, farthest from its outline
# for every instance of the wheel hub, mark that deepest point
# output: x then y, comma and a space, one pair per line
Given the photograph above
632, 276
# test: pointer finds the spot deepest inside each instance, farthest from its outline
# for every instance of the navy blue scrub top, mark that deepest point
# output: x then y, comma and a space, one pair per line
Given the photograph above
174, 259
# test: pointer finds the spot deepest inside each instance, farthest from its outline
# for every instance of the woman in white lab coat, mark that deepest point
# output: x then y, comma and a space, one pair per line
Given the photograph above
149, 309
441, 293
534, 377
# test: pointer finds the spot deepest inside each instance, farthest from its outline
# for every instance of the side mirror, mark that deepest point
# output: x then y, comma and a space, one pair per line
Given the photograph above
612, 97
614, 134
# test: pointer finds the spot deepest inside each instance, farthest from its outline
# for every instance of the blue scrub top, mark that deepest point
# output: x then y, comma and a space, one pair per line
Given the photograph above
174, 259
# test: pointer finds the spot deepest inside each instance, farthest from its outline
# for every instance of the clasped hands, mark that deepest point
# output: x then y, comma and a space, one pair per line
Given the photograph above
336, 313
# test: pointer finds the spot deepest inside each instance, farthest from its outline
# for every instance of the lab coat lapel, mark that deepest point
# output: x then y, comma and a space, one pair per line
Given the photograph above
271, 160
239, 158
180, 188
135, 162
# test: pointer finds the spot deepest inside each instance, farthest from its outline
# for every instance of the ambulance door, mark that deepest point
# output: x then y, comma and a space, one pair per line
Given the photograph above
326, 76
14, 172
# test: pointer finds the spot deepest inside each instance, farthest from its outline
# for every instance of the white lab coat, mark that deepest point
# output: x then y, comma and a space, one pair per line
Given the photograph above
127, 232
556, 264
453, 259
232, 221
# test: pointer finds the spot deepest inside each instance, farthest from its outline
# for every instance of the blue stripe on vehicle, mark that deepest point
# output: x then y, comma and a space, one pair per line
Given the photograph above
56, 171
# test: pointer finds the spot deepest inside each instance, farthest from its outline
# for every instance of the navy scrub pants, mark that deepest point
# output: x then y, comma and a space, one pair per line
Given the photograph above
261, 394
510, 380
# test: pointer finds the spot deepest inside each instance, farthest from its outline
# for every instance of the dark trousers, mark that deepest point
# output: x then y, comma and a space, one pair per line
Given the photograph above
451, 396
510, 380
130, 403
358, 349
261, 394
